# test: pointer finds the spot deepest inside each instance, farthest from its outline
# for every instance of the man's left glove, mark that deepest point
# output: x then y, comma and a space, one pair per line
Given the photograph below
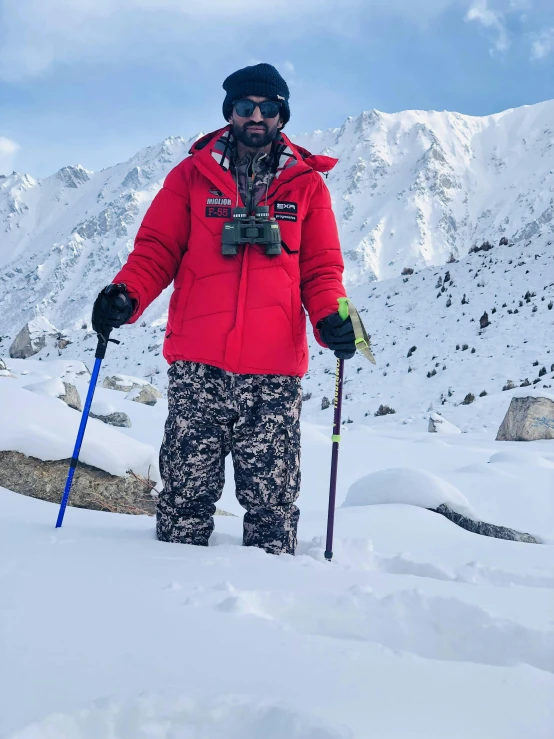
338, 334
112, 308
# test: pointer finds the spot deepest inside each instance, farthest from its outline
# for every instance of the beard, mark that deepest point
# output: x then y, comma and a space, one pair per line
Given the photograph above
256, 140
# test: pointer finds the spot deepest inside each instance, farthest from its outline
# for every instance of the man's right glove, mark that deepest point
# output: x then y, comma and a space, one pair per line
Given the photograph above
112, 308
338, 335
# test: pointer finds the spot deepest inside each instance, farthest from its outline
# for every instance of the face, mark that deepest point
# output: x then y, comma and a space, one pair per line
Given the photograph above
255, 131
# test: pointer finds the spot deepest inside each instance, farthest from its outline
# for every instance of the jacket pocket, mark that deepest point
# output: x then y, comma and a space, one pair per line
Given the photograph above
178, 301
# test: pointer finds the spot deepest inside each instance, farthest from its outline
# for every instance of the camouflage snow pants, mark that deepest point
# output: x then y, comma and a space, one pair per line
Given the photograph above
257, 419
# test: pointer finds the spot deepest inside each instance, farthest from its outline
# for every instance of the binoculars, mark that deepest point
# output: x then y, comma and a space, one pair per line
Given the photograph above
256, 229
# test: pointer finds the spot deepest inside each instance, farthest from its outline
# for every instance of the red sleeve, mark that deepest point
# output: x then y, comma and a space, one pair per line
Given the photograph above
160, 243
321, 263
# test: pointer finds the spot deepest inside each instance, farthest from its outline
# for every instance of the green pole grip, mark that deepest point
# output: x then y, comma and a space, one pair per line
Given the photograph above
343, 308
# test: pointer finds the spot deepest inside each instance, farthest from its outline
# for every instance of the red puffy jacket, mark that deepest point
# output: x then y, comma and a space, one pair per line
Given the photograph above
243, 314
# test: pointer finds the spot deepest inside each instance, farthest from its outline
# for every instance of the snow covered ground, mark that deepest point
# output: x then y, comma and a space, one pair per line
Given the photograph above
416, 629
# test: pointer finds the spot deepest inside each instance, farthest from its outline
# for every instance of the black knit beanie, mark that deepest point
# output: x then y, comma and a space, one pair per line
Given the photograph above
261, 79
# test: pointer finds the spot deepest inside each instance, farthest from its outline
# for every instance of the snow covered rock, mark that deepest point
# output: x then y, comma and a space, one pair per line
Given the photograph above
42, 427
71, 396
56, 388
108, 414
528, 419
4, 371
425, 490
92, 488
123, 383
410, 487
439, 425
114, 419
485, 529
147, 394
32, 338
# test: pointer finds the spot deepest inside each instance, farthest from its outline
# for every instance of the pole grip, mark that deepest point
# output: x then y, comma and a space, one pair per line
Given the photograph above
102, 345
343, 308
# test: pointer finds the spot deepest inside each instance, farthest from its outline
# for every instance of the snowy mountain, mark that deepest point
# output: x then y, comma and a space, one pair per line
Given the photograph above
411, 191
418, 628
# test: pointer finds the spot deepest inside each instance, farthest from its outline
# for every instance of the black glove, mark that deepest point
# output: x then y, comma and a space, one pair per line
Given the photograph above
112, 308
338, 335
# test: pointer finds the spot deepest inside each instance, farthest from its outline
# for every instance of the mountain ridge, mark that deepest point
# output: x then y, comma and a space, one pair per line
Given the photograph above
411, 192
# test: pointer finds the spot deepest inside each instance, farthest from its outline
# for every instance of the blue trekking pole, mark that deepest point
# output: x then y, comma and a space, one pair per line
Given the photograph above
99, 356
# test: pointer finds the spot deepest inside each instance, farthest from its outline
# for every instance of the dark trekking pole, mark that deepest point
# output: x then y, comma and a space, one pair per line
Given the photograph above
361, 339
339, 375
99, 356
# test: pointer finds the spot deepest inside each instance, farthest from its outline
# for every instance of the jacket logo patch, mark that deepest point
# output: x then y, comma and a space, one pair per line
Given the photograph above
218, 201
215, 191
285, 206
285, 217
218, 211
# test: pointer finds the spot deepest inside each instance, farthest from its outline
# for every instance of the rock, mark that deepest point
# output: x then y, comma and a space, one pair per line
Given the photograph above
325, 403
528, 419
63, 343
114, 419
92, 488
56, 388
32, 338
4, 371
439, 425
147, 394
484, 529
124, 383
71, 397
484, 320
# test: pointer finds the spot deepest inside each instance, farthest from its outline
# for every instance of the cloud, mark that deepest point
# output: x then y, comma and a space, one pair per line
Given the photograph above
288, 66
35, 35
8, 150
543, 44
491, 19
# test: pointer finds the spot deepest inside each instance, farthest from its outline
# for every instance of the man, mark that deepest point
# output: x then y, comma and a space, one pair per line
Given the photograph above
236, 329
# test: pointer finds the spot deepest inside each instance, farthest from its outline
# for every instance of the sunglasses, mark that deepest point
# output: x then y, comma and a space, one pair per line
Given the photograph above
268, 109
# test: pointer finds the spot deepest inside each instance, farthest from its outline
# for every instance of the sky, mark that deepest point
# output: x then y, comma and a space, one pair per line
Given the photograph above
93, 81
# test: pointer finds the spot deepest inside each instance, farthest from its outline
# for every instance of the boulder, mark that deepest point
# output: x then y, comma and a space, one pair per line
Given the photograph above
56, 388
92, 488
114, 419
439, 425
123, 383
32, 338
485, 529
71, 397
528, 419
3, 365
147, 394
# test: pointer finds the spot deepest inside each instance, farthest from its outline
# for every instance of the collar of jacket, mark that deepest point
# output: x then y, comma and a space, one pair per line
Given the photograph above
212, 155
